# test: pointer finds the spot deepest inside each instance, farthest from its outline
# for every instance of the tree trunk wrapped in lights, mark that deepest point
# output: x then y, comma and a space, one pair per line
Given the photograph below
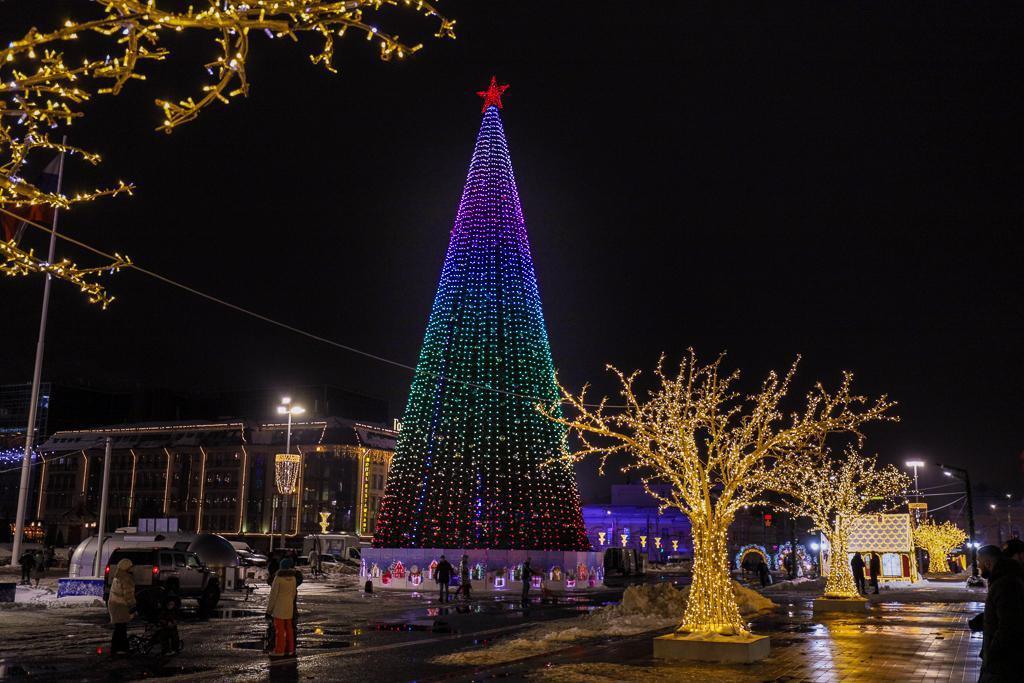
832, 491
715, 448
938, 540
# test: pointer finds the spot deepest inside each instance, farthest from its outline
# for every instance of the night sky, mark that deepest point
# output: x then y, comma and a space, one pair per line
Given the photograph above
825, 179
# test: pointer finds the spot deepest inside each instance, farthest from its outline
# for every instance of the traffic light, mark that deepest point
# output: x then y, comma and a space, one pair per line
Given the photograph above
767, 519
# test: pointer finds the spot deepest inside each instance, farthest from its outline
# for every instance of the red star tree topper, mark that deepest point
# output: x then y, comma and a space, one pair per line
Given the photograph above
492, 96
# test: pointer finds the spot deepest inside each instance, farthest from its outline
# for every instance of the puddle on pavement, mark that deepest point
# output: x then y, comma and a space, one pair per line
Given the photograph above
303, 644
234, 613
422, 626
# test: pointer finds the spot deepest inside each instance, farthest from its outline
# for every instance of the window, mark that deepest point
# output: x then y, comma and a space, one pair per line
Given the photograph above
179, 560
892, 565
166, 560
193, 562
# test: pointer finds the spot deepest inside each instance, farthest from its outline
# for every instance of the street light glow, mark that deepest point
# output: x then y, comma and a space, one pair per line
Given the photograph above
915, 463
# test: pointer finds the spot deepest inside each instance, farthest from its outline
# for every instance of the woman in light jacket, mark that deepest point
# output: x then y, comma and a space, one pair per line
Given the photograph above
121, 604
281, 606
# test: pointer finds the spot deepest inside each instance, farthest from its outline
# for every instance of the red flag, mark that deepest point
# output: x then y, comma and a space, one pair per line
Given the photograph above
14, 227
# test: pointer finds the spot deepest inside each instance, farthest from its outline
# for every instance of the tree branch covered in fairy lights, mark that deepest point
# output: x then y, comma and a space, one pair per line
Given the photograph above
47, 77
832, 491
42, 88
20, 262
715, 448
938, 540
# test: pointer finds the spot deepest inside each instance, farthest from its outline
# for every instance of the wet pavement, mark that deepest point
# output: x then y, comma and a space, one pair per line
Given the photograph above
345, 635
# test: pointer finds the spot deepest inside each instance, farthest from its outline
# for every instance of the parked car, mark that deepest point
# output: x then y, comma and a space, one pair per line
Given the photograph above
177, 571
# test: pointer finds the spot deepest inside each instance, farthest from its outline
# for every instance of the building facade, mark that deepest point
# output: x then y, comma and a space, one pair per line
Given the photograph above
632, 520
214, 476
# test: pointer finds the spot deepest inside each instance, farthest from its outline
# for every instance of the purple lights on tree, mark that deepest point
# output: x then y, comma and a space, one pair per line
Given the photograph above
475, 464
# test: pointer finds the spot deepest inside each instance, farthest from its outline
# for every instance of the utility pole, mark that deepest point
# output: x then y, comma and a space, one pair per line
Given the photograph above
973, 543
37, 373
792, 547
102, 526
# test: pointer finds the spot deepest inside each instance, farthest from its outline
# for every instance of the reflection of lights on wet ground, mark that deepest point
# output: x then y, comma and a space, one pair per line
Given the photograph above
319, 631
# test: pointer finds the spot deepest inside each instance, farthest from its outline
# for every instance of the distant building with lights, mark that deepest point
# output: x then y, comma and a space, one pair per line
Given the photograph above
213, 476
632, 520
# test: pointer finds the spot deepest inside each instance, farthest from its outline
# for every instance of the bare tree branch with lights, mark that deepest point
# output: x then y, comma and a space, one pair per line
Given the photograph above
832, 491
715, 448
938, 540
47, 77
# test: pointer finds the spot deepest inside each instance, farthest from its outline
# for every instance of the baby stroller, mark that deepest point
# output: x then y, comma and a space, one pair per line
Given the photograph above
159, 610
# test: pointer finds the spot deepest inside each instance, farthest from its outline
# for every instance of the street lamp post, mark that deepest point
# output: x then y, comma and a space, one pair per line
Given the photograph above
999, 527
1009, 519
289, 409
961, 473
914, 464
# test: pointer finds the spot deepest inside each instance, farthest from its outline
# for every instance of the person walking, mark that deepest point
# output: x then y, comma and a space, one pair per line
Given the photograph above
1003, 628
39, 567
527, 576
28, 563
875, 570
121, 606
857, 565
465, 578
281, 607
273, 564
443, 575
763, 574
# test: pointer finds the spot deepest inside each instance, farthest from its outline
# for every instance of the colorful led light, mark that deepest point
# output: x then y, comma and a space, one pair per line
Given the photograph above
476, 465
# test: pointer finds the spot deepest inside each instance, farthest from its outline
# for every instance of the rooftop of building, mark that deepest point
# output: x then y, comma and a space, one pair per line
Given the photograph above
334, 431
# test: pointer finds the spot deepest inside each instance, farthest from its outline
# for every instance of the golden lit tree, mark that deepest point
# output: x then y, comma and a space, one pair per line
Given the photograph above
715, 448
832, 491
938, 540
48, 76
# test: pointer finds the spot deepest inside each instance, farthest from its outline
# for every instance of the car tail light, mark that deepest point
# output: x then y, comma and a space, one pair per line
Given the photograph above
107, 570
156, 570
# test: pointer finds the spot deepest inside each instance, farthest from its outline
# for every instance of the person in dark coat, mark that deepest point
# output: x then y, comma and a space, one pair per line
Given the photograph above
763, 574
527, 577
1014, 549
857, 565
272, 566
465, 579
875, 570
443, 576
1003, 628
28, 563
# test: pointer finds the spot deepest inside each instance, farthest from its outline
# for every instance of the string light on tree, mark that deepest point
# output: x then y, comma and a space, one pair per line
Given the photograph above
476, 466
938, 540
48, 77
832, 491
715, 448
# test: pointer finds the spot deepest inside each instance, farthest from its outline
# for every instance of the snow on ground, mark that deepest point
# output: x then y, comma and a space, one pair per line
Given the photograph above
801, 584
29, 597
667, 672
651, 607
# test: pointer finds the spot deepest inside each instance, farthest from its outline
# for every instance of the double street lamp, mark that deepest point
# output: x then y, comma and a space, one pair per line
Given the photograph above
972, 543
287, 466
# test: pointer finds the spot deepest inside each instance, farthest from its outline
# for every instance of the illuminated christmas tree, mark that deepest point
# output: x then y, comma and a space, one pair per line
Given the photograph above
476, 464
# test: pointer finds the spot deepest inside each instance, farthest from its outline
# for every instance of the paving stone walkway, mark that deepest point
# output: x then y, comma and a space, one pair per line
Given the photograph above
926, 642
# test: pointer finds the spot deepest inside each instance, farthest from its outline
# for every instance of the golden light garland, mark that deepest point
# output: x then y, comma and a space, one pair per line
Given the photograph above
832, 491
938, 540
42, 89
715, 449
19, 262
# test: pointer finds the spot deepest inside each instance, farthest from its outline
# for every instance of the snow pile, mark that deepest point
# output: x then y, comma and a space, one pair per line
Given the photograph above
645, 608
801, 584
28, 597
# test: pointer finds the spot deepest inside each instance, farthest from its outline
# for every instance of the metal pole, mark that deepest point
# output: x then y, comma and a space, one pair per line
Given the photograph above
37, 371
970, 524
102, 526
792, 547
287, 449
